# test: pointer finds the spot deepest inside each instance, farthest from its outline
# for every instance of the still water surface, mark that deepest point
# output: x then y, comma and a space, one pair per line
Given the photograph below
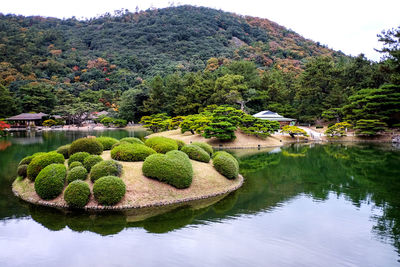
310, 205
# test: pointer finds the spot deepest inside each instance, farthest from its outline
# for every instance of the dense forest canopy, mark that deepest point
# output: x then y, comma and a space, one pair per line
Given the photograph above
179, 60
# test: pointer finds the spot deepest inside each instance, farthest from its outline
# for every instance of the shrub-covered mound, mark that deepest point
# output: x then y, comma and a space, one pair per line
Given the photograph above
107, 142
131, 152
64, 150
75, 164
132, 140
206, 147
77, 194
180, 144
79, 156
173, 168
196, 153
21, 171
161, 144
50, 182
109, 190
226, 164
90, 145
77, 173
105, 168
90, 161
40, 162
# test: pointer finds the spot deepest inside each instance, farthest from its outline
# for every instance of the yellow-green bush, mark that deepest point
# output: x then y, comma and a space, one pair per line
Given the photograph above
132, 140
204, 146
161, 144
77, 194
105, 168
226, 164
64, 150
90, 145
79, 156
196, 153
40, 162
50, 181
77, 173
107, 142
131, 152
90, 161
109, 190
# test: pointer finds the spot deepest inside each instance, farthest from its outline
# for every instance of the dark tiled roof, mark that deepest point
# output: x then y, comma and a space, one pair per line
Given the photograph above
27, 117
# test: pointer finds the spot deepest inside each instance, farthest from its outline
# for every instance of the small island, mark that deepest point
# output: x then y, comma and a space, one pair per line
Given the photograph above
108, 174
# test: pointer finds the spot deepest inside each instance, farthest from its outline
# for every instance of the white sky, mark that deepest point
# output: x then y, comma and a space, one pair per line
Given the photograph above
347, 25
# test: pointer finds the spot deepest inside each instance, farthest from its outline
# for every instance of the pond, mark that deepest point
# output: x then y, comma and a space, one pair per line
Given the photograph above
300, 205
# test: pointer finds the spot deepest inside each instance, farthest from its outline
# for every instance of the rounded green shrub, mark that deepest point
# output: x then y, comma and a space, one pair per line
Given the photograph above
90, 161
132, 140
226, 164
21, 171
77, 194
109, 190
40, 162
105, 168
196, 153
77, 173
173, 168
28, 159
75, 164
107, 142
180, 143
64, 150
206, 147
161, 144
79, 156
50, 182
131, 152
89, 145
119, 143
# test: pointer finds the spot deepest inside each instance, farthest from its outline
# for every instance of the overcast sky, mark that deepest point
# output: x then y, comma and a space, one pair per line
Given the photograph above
347, 25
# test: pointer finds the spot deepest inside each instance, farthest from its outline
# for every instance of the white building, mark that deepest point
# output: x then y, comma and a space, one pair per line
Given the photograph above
273, 116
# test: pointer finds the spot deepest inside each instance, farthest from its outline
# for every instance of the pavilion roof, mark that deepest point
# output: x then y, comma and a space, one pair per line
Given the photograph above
27, 117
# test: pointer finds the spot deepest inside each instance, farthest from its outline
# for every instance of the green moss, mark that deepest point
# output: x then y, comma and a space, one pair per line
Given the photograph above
75, 164
196, 153
64, 150
50, 182
205, 147
131, 152
109, 190
90, 161
22, 170
161, 144
173, 168
40, 162
107, 142
105, 168
77, 194
226, 164
79, 156
77, 173
90, 145
132, 140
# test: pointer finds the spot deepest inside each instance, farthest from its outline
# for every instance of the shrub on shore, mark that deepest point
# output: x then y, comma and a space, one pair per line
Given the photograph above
90, 145
131, 152
180, 143
196, 153
64, 150
77, 173
204, 146
226, 164
109, 190
28, 159
132, 140
107, 142
40, 162
22, 170
50, 181
90, 161
161, 144
79, 156
105, 168
77, 194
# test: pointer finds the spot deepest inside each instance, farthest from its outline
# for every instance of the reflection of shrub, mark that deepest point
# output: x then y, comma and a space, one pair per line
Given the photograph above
79, 156
77, 173
173, 168
21, 171
226, 164
63, 150
108, 223
131, 152
75, 164
50, 218
161, 144
50, 182
90, 145
196, 153
77, 194
204, 146
79, 221
132, 140
105, 168
107, 142
90, 161
40, 162
226, 204
109, 190
169, 221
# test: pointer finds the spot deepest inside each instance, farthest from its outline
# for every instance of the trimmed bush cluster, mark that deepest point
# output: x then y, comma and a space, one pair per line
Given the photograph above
107, 142
132, 140
40, 162
90, 145
226, 164
77, 173
161, 144
196, 153
79, 156
28, 159
131, 152
75, 164
77, 194
90, 161
173, 168
64, 150
206, 147
22, 170
180, 144
105, 168
50, 181
109, 190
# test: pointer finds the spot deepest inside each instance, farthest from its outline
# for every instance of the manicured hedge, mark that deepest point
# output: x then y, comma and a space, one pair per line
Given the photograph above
173, 168
77, 173
196, 153
105, 168
77, 194
204, 146
132, 140
64, 150
90, 161
107, 142
226, 164
131, 152
75, 164
180, 143
90, 145
40, 162
161, 144
28, 159
79, 156
109, 190
50, 182
21, 171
